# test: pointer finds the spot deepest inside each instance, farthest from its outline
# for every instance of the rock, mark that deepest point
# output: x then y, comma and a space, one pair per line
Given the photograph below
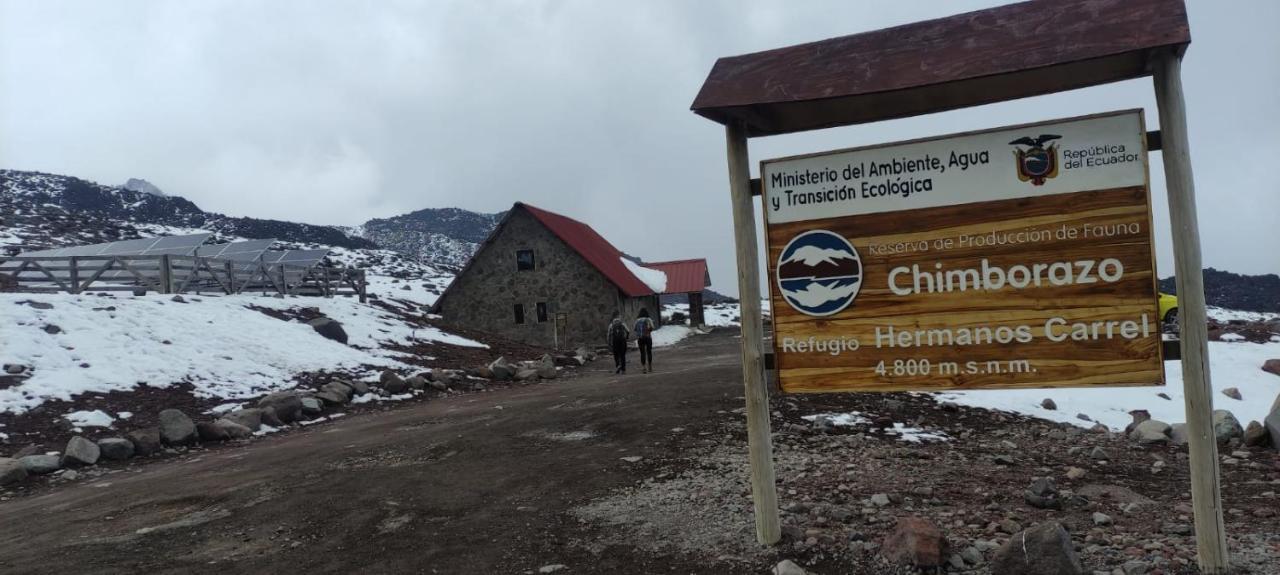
1255, 435
330, 397
1178, 434
1044, 549
1271, 366
338, 393
178, 299
915, 541
482, 372
251, 418
359, 387
14, 369
232, 430
552, 568
585, 353
1010, 526
502, 370
1139, 416
312, 406
1083, 417
37, 304
286, 404
80, 451
11, 471
787, 567
972, 556
329, 328
1101, 519
880, 500
1049, 404
1135, 567
417, 383
1075, 473
41, 464
547, 367
1150, 431
210, 432
1233, 393
115, 448
1225, 426
1099, 454
391, 382
1272, 423
176, 428
145, 441
525, 374
1042, 494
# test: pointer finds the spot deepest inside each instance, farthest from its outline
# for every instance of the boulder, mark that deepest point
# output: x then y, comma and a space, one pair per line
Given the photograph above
232, 430
392, 382
329, 328
1150, 431
80, 451
546, 367
1043, 549
1043, 494
1139, 416
1255, 435
482, 372
1272, 423
210, 432
312, 406
915, 541
269, 417
1233, 393
526, 374
334, 393
1178, 434
145, 441
585, 353
502, 370
251, 418
14, 369
176, 428
41, 464
417, 382
115, 448
441, 376
11, 471
1049, 404
787, 567
287, 405
357, 387
1225, 426
1272, 366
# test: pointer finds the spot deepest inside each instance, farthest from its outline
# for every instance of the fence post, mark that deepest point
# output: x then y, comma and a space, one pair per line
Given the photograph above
75, 274
166, 274
231, 279
363, 284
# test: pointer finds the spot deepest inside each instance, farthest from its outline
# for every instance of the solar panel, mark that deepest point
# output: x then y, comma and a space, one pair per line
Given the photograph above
236, 251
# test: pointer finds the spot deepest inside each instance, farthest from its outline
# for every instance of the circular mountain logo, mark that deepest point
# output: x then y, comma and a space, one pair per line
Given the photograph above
819, 273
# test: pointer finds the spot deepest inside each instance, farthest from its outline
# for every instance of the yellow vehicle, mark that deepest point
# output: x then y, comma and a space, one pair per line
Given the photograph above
1168, 310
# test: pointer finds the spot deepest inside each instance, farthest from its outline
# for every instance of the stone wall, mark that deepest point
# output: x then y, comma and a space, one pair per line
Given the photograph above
484, 297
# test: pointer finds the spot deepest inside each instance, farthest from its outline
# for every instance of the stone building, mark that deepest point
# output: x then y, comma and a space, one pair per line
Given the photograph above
549, 280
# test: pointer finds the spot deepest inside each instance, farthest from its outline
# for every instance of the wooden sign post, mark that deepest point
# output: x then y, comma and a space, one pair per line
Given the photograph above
959, 61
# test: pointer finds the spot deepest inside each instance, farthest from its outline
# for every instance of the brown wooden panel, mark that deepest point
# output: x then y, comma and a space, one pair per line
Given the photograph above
1002, 53
1111, 352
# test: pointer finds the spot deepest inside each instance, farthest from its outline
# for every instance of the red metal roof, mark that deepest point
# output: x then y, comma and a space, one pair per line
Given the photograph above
683, 276
592, 247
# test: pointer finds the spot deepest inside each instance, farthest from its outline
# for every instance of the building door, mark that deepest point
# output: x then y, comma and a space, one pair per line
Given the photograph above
562, 330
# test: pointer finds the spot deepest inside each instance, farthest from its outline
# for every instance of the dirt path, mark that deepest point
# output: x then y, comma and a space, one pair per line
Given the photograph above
470, 484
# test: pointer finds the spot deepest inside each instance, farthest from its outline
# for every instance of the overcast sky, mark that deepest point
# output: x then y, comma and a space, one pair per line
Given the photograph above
336, 112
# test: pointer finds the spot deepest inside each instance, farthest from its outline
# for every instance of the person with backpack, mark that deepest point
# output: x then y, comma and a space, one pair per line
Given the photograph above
644, 338
617, 339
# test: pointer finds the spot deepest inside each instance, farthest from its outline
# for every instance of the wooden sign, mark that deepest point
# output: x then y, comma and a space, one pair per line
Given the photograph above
1014, 257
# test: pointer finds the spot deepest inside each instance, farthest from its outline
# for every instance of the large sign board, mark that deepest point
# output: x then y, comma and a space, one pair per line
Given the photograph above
1006, 258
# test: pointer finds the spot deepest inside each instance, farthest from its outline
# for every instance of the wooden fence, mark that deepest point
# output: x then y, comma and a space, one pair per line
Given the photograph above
177, 274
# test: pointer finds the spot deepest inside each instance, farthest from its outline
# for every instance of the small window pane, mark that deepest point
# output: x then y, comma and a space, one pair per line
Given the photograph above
542, 312
524, 260
519, 313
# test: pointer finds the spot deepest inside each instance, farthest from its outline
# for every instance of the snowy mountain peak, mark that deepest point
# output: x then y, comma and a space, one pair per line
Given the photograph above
813, 255
139, 185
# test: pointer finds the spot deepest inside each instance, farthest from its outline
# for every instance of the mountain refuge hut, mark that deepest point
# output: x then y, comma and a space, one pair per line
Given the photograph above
547, 279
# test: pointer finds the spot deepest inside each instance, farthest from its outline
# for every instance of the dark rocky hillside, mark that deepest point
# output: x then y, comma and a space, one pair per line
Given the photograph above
1236, 291
49, 210
445, 236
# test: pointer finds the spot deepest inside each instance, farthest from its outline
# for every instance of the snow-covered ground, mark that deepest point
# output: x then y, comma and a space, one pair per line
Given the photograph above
716, 314
1225, 315
669, 335
1231, 364
219, 345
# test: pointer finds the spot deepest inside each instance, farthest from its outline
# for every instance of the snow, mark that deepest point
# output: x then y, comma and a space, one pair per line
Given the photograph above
219, 345
716, 314
813, 255
848, 419
95, 418
1225, 315
1236, 365
655, 279
855, 418
669, 335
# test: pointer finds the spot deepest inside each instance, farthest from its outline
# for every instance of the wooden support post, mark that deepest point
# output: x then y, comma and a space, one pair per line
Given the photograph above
764, 491
166, 274
363, 287
231, 279
75, 274
1211, 541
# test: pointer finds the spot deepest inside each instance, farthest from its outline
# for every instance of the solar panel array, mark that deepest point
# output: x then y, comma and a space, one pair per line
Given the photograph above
172, 245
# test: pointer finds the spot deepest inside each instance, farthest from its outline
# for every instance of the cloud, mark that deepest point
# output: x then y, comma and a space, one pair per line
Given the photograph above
340, 111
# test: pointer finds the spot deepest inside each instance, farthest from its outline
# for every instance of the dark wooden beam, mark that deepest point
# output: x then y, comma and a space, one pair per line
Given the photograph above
993, 55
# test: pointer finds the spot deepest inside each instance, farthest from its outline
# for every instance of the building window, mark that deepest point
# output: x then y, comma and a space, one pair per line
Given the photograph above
519, 313
542, 312
524, 260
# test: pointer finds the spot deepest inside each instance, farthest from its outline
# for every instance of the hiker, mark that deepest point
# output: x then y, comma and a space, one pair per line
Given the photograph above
617, 338
644, 338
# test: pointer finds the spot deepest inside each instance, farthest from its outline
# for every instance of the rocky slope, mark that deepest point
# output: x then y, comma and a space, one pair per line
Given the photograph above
445, 236
1236, 291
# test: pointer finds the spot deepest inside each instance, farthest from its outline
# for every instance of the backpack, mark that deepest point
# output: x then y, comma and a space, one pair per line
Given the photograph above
642, 327
617, 333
